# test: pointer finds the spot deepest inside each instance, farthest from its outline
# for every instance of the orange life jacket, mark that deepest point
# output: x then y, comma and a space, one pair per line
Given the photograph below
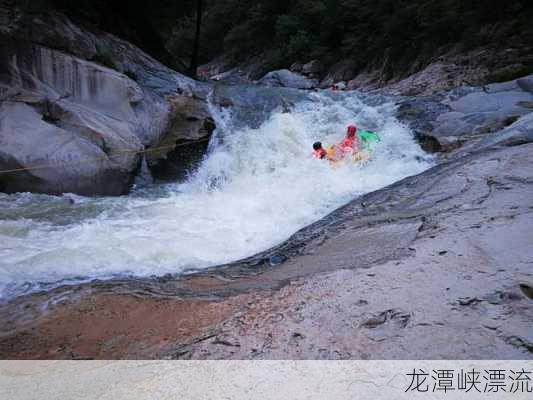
320, 153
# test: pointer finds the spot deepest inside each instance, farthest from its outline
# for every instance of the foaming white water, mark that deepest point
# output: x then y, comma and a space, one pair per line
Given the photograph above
254, 189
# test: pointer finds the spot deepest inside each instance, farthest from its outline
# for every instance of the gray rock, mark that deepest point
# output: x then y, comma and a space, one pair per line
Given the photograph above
74, 116
296, 67
518, 133
472, 206
227, 70
76, 163
311, 69
526, 83
341, 71
286, 78
365, 81
99, 100
436, 256
510, 70
501, 87
251, 105
233, 76
457, 67
502, 102
447, 121
435, 77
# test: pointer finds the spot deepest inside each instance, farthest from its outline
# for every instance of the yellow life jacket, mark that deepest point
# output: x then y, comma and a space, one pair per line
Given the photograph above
331, 152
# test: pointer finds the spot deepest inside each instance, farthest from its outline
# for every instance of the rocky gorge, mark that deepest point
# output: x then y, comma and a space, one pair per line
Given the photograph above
100, 102
436, 265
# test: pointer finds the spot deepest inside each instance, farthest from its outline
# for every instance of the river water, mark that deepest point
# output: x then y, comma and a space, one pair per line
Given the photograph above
254, 188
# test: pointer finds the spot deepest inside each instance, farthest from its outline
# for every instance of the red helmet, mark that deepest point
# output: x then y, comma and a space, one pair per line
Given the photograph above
352, 129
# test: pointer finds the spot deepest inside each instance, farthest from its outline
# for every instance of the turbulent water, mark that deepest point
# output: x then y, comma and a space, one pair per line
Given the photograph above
254, 188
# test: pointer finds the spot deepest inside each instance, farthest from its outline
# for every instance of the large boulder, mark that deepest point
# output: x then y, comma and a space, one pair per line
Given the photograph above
450, 68
341, 71
189, 128
312, 69
80, 109
440, 75
251, 105
69, 125
518, 133
526, 83
446, 121
231, 71
288, 79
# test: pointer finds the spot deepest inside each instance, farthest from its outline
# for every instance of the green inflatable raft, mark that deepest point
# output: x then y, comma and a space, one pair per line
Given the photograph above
368, 138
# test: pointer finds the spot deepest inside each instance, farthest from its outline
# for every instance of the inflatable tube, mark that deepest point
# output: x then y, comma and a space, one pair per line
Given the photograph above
358, 158
367, 137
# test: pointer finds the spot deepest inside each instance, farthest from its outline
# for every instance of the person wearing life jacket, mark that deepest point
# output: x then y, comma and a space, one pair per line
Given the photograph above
350, 144
319, 152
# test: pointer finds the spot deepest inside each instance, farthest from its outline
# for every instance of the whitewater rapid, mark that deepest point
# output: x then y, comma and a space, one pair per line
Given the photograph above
254, 189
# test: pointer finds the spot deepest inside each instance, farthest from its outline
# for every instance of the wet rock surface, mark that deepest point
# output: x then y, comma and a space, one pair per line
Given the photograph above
455, 67
456, 292
286, 78
448, 120
251, 105
435, 266
100, 101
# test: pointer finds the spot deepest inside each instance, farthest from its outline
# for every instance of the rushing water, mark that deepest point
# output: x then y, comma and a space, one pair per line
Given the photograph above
253, 190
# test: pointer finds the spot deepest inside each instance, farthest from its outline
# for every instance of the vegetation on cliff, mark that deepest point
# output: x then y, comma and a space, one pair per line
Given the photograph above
395, 33
398, 35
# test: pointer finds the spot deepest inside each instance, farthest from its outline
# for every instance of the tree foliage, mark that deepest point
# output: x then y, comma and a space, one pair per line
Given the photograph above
361, 31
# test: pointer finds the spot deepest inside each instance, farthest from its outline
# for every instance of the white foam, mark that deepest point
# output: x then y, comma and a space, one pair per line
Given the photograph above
254, 189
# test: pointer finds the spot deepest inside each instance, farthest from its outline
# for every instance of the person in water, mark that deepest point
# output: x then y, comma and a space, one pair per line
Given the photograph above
350, 144
353, 144
318, 151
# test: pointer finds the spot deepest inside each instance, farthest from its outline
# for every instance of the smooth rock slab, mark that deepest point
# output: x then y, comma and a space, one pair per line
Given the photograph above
431, 267
286, 78
55, 71
448, 120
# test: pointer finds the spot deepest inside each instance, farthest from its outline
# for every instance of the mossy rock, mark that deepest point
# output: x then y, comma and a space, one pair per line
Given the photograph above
106, 58
510, 72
